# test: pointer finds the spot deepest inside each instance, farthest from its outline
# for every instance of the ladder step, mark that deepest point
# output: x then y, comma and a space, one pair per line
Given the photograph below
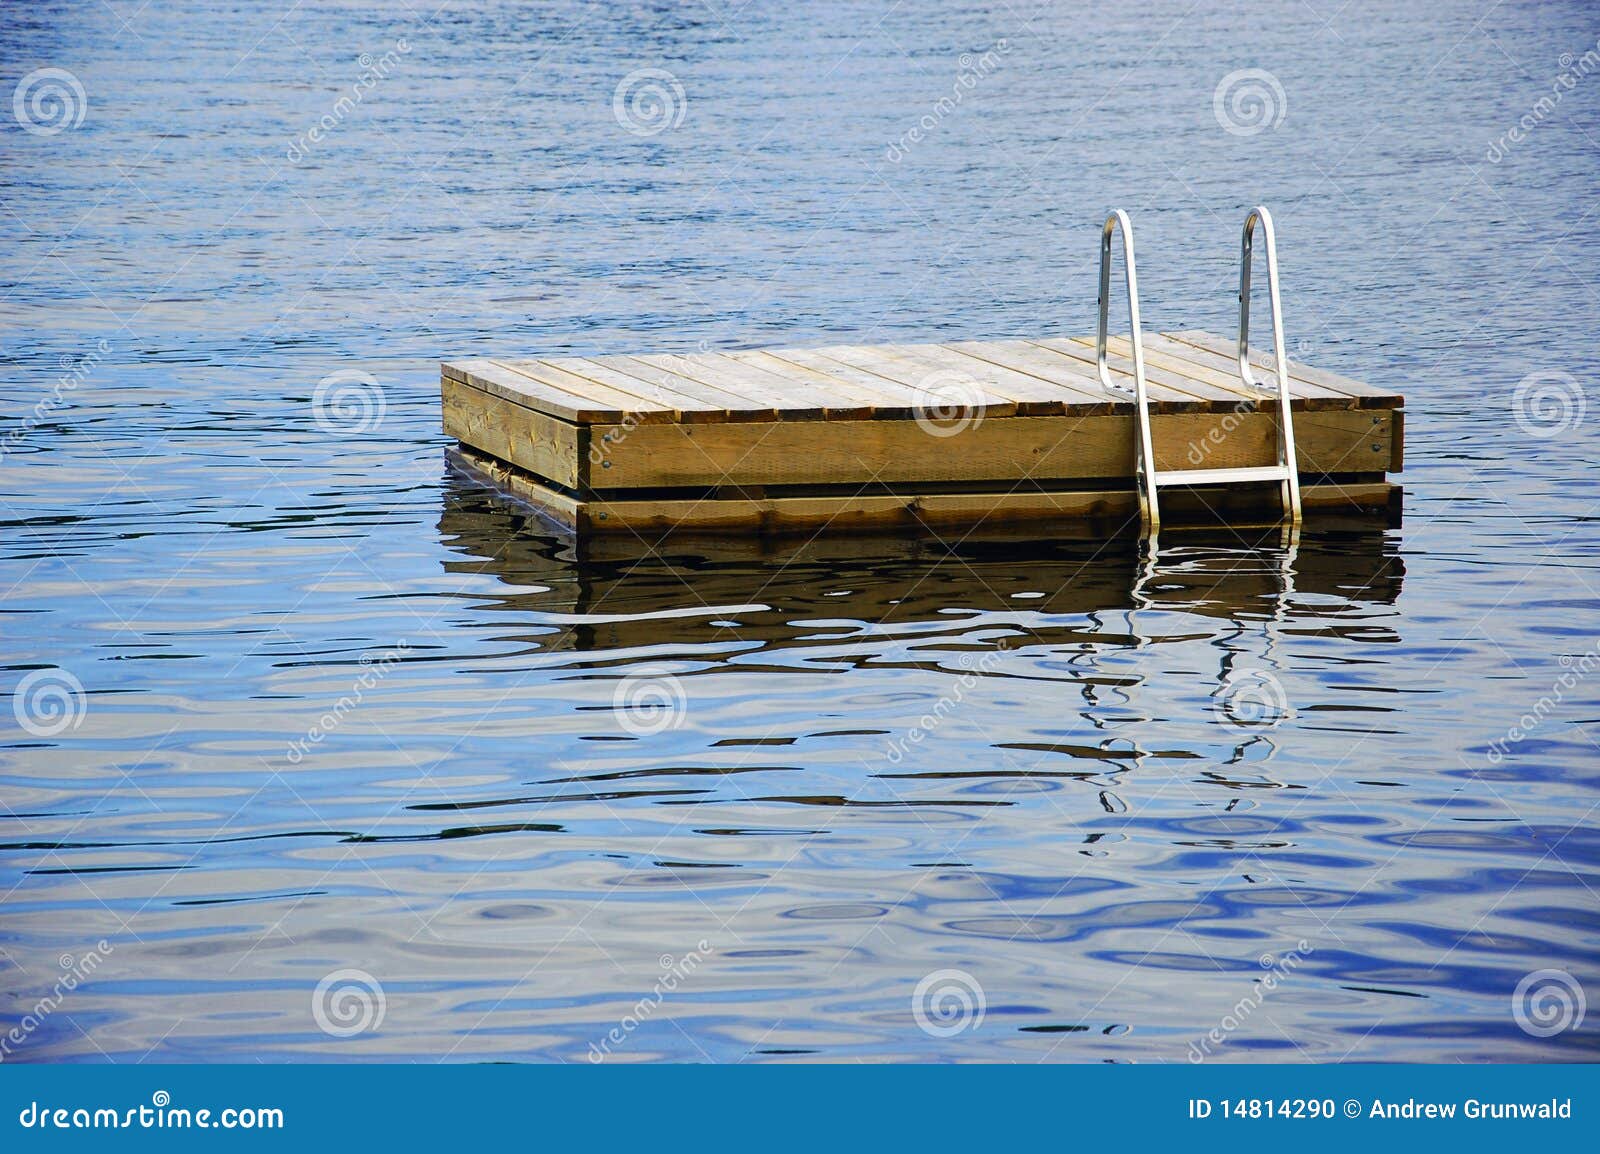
1222, 476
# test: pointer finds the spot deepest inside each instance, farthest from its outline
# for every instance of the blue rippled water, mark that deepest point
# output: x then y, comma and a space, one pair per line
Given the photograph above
313, 748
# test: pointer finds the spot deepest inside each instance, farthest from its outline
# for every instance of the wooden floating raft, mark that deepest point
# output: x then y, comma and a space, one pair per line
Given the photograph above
918, 437
969, 435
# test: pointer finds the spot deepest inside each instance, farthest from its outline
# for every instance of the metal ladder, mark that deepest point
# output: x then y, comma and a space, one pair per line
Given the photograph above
1150, 481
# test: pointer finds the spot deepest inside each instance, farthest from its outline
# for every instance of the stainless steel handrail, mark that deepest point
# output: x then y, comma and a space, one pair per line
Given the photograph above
1149, 506
1286, 451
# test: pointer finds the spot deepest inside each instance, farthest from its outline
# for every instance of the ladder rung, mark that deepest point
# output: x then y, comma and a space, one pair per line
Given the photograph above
1222, 476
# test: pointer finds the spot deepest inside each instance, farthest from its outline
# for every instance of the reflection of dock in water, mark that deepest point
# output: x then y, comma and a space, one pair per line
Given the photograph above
1108, 666
612, 592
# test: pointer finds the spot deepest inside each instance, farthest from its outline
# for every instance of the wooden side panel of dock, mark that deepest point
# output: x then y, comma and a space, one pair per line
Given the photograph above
1026, 508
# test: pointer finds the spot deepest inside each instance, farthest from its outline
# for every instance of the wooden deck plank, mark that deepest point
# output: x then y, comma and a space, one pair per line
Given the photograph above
793, 399
1169, 356
895, 400
1084, 390
837, 401
872, 401
572, 373
1156, 358
1186, 371
1210, 396
1082, 397
1372, 396
1032, 357
672, 368
932, 389
499, 381
526, 437
1115, 509
1005, 449
690, 406
1033, 397
1187, 358
549, 380
734, 406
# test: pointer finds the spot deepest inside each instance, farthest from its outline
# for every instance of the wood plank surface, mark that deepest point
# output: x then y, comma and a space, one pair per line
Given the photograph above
992, 449
1032, 397
1185, 372
1156, 357
690, 404
1115, 510
1210, 396
511, 386
1083, 389
525, 437
876, 513
641, 403
933, 388
793, 399
877, 402
893, 400
1027, 356
1372, 396
735, 405
546, 378
1186, 358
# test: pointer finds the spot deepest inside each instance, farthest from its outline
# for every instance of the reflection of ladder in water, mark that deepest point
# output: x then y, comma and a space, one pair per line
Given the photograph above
1230, 672
1143, 601
1285, 471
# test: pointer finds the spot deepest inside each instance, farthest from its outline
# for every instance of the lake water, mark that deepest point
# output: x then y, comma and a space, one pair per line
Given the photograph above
366, 765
